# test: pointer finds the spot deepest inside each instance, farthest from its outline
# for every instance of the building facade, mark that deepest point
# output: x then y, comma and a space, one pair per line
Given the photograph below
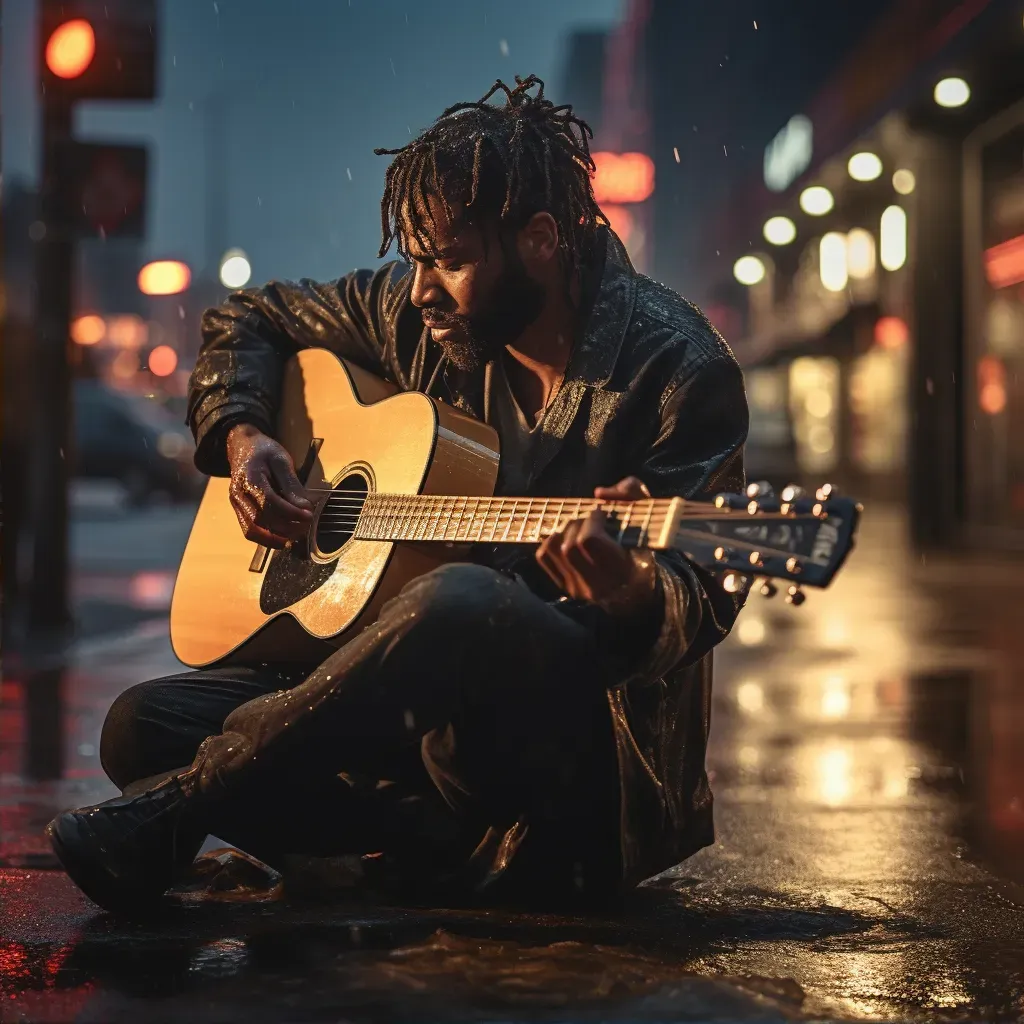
870, 272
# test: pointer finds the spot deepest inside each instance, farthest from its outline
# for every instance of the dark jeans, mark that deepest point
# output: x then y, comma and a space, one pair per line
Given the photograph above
469, 705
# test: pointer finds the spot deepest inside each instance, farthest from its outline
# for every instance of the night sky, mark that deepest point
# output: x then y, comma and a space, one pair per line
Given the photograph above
301, 91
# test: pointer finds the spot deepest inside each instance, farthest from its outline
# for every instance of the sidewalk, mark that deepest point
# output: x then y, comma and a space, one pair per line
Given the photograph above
868, 765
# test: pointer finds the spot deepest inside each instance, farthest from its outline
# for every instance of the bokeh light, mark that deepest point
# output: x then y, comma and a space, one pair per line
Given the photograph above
864, 166
952, 92
816, 200
164, 277
749, 270
779, 230
163, 360
88, 330
904, 181
71, 48
235, 269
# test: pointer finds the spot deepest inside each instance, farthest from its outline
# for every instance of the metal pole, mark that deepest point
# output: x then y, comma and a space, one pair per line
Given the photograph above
48, 605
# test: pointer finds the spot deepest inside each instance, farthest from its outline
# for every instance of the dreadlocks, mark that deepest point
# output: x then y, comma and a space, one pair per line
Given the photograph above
505, 162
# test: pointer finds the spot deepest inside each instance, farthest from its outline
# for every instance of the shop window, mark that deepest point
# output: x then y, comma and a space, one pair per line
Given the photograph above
814, 410
878, 407
994, 397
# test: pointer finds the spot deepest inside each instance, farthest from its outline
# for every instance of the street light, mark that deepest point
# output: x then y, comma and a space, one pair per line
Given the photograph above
779, 230
748, 270
816, 200
235, 269
952, 92
864, 166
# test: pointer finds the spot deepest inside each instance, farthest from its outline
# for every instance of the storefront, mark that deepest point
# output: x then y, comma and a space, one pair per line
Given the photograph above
994, 247
877, 289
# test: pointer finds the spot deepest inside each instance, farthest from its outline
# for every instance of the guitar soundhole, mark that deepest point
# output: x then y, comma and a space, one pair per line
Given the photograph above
337, 521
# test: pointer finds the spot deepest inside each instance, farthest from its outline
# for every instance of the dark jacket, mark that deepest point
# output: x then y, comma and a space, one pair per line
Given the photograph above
651, 390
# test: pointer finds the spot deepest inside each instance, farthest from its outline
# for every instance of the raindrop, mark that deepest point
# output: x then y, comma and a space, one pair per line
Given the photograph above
348, 171
216, 9
675, 153
393, 71
503, 46
410, 722
755, 26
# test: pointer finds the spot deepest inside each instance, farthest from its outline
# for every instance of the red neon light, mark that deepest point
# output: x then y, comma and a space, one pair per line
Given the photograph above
1004, 263
623, 177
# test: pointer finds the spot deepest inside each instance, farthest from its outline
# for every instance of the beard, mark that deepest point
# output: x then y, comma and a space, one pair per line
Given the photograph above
514, 303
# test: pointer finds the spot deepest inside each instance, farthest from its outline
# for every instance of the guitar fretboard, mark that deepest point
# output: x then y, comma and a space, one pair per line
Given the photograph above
499, 520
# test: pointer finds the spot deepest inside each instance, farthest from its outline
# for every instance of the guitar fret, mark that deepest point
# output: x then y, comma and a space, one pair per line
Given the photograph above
646, 528
497, 519
438, 504
522, 525
625, 522
508, 525
540, 521
447, 522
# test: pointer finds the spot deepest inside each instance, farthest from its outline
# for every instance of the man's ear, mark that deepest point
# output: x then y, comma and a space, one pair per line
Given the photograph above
538, 239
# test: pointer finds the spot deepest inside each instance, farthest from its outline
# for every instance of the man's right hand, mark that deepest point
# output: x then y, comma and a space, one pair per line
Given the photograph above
265, 492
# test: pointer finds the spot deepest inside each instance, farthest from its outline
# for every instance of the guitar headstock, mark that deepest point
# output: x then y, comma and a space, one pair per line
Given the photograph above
756, 536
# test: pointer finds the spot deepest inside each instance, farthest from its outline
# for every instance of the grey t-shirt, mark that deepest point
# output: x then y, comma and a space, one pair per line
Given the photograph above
517, 435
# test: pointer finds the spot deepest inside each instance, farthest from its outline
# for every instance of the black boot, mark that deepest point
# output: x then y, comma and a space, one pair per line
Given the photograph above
125, 853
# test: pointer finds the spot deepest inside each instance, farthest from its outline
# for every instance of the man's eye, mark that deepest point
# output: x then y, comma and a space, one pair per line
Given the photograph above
450, 265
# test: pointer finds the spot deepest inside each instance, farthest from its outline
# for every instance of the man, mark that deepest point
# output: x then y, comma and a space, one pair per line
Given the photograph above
530, 723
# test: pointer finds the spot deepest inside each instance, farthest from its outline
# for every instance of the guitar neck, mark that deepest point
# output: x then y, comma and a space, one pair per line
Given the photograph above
502, 520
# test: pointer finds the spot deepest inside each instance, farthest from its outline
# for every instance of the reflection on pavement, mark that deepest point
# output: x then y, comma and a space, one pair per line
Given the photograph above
867, 759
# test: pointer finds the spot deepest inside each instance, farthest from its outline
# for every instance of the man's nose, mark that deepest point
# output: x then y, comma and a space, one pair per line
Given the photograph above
425, 289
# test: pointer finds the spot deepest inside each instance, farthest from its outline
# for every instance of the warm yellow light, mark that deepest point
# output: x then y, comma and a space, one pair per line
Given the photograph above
620, 220
88, 329
779, 230
864, 166
832, 261
860, 254
903, 181
162, 361
952, 92
893, 238
71, 48
164, 277
748, 270
750, 697
816, 200
750, 632
125, 365
127, 331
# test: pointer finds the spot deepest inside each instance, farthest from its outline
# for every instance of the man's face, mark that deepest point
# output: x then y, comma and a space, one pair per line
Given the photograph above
476, 298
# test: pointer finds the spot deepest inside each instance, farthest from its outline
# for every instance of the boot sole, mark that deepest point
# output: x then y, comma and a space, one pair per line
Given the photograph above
98, 884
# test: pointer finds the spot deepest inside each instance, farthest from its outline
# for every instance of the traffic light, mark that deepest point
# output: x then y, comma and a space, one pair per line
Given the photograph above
88, 50
98, 49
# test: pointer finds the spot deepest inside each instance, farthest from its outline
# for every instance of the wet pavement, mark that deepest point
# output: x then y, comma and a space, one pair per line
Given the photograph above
868, 766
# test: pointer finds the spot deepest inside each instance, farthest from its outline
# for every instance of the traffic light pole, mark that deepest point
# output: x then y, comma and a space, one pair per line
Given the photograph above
48, 604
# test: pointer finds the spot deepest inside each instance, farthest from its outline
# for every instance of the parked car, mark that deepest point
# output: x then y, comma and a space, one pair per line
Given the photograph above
131, 439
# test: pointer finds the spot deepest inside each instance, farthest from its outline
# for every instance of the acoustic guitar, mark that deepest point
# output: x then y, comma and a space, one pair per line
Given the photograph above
403, 483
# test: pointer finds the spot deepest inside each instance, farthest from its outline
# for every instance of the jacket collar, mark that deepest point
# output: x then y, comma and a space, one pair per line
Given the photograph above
612, 295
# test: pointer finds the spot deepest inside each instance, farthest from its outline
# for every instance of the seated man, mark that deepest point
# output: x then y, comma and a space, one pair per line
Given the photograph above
525, 722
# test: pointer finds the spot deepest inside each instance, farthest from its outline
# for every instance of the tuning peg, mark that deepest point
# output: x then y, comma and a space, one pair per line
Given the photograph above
760, 489
825, 491
795, 596
733, 583
791, 492
792, 565
768, 589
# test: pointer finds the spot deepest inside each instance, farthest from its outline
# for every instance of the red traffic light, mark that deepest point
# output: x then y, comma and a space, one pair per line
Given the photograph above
96, 49
71, 48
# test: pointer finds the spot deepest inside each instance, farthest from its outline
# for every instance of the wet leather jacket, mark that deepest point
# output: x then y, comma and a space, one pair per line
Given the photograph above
651, 390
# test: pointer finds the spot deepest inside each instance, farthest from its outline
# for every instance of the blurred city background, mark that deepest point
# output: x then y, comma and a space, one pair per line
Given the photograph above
840, 187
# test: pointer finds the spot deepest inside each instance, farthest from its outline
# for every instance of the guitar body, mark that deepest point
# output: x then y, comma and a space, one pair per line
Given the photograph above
236, 603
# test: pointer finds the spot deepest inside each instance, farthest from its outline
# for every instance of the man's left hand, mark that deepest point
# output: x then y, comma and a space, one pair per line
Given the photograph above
588, 564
